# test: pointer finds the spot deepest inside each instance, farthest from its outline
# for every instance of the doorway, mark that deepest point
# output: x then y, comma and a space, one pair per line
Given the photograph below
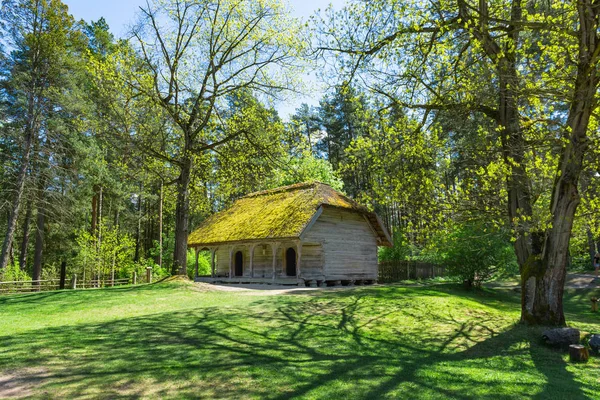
290, 262
239, 264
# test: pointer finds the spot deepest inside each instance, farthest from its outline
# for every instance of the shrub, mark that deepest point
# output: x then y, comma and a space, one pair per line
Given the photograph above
400, 251
203, 263
13, 272
475, 252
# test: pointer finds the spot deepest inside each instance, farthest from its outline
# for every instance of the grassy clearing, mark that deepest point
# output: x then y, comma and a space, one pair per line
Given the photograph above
173, 340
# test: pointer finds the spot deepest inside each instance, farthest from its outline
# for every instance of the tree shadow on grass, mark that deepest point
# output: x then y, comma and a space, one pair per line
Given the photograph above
72, 298
282, 347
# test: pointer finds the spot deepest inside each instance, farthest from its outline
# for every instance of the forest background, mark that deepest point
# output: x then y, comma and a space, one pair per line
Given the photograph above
454, 122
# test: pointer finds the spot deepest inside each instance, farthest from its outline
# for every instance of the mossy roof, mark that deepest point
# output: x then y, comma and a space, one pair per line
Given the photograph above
272, 214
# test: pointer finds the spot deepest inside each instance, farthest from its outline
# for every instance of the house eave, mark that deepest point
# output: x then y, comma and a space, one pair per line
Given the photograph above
242, 241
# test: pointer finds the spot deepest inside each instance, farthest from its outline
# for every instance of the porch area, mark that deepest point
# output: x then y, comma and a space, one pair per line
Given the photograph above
284, 281
287, 262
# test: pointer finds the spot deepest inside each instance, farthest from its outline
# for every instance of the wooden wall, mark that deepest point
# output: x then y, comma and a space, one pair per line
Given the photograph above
349, 244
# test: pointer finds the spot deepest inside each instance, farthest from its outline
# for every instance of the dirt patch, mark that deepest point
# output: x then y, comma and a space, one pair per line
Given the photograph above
572, 281
21, 383
582, 281
263, 289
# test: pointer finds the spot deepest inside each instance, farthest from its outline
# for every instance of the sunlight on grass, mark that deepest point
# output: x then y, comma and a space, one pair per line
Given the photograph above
176, 340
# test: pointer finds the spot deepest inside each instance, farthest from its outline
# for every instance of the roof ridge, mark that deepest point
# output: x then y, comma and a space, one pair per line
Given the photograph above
288, 188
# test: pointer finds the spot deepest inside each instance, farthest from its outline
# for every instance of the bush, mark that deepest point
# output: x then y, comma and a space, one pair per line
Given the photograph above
475, 252
400, 250
203, 263
13, 272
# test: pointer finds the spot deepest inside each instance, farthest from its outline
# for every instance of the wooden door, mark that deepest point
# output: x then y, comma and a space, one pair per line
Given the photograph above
239, 264
290, 262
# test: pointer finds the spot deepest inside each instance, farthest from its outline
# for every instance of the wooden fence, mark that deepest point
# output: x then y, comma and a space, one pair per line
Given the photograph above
395, 271
10, 287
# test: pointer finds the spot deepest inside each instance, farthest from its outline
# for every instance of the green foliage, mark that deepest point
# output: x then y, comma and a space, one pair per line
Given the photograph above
203, 263
305, 167
400, 251
474, 252
113, 252
13, 272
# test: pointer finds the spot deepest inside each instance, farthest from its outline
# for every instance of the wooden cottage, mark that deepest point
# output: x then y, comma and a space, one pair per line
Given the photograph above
301, 234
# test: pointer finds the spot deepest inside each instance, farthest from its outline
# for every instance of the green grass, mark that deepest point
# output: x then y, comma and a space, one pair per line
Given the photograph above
173, 340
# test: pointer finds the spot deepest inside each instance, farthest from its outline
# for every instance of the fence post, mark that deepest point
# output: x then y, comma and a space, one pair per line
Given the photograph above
149, 274
63, 274
134, 278
74, 282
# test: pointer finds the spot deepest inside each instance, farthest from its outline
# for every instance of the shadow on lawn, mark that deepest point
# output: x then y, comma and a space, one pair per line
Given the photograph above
72, 297
329, 346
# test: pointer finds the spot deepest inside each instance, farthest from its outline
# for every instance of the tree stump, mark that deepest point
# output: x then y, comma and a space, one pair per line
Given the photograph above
594, 301
578, 353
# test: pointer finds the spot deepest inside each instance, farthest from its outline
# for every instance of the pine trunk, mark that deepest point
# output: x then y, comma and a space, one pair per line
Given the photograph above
94, 211
39, 244
181, 219
16, 205
138, 232
25, 240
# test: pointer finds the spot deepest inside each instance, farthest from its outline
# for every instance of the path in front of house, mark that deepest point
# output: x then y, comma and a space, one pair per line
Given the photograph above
266, 290
573, 281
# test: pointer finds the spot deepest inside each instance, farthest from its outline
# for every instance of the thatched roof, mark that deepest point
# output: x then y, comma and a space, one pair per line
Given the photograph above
281, 213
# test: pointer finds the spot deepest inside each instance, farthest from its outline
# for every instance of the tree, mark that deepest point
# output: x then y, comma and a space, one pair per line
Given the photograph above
529, 68
37, 32
475, 251
194, 54
345, 117
306, 122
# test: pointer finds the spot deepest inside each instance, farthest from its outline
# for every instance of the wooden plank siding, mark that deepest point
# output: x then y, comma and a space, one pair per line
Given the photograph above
349, 245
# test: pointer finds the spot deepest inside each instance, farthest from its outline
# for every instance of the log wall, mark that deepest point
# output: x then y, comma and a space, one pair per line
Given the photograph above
349, 245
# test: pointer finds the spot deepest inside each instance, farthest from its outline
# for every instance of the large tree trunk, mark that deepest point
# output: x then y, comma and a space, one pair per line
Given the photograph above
16, 205
182, 211
543, 276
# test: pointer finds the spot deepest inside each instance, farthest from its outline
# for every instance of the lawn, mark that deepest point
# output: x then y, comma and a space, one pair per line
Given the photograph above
177, 340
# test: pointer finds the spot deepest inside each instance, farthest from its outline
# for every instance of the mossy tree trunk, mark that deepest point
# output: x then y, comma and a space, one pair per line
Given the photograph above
543, 275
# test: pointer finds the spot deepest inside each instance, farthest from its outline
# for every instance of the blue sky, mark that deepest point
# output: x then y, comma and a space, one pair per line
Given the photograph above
121, 13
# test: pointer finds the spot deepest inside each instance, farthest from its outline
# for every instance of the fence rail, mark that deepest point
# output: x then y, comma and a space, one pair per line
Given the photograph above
11, 287
29, 286
396, 271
